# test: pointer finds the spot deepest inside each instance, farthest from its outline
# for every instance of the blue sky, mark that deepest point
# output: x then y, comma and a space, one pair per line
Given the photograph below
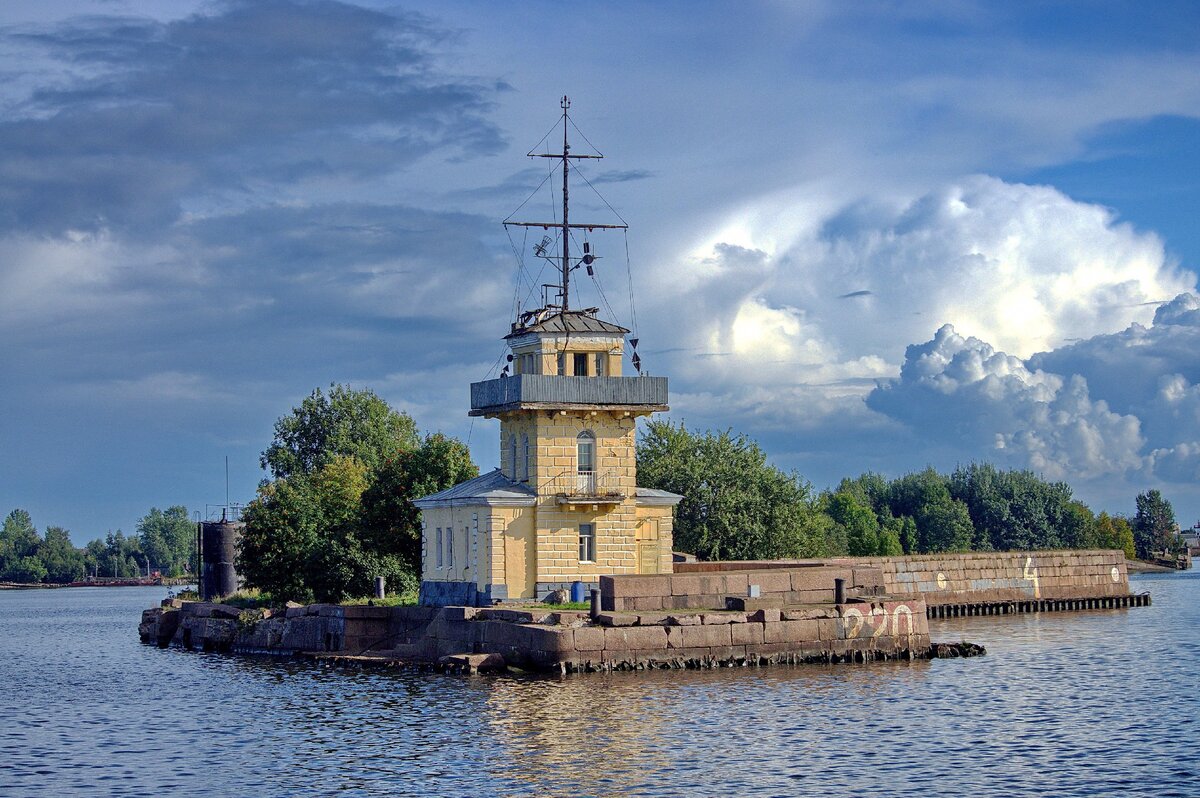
873, 236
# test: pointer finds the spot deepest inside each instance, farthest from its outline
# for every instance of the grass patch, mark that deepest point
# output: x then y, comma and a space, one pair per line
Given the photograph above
405, 599
566, 605
249, 599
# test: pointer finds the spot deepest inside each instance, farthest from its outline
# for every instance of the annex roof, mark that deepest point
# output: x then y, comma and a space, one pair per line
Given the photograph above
653, 496
492, 488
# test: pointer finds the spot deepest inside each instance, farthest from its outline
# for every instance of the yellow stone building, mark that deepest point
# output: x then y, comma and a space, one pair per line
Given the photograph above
564, 505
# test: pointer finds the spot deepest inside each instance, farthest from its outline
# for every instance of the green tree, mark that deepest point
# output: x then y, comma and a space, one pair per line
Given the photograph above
391, 524
735, 505
338, 512
63, 562
859, 521
346, 423
1154, 527
94, 555
168, 539
25, 569
18, 536
299, 538
19, 543
1115, 533
120, 556
943, 523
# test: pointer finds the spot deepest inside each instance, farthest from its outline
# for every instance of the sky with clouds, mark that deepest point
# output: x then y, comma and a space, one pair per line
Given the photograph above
872, 236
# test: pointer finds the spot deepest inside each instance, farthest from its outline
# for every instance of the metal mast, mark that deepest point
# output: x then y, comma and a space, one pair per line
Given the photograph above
566, 226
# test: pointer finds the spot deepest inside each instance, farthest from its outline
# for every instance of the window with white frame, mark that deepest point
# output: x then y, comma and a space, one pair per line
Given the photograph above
587, 542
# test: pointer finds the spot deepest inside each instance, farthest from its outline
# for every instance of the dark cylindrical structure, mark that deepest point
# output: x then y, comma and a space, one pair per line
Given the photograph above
218, 547
839, 591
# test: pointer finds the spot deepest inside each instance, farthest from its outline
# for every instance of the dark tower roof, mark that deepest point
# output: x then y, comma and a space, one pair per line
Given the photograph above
570, 321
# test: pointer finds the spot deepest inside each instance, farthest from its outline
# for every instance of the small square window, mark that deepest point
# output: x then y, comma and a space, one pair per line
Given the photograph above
587, 542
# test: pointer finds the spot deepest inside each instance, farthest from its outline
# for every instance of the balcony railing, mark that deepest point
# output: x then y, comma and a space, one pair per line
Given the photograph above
587, 487
555, 391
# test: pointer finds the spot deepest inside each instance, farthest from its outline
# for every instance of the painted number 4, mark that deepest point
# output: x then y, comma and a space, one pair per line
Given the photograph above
1031, 574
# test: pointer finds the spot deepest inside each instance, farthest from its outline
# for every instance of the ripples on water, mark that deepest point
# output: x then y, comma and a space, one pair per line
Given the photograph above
1093, 703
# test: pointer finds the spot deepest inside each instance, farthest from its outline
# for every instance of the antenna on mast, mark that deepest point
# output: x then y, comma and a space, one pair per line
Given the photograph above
565, 264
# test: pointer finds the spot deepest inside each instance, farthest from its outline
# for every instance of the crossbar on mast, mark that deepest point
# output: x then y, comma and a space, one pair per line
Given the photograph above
574, 226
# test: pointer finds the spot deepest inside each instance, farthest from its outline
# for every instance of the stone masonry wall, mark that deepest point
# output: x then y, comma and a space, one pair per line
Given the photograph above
797, 585
1003, 576
566, 641
976, 577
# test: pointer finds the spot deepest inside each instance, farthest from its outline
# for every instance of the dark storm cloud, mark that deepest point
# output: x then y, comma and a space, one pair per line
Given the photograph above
255, 95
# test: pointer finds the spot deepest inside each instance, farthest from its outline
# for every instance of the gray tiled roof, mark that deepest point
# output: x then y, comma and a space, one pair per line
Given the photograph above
570, 322
490, 488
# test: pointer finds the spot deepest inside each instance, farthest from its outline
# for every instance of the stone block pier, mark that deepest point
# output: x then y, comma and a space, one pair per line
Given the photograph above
704, 615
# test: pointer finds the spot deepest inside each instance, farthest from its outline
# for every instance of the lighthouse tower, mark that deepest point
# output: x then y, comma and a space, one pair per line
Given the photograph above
564, 505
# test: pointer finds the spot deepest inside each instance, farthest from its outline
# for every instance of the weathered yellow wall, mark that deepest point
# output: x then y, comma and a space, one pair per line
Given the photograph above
656, 522
545, 352
472, 544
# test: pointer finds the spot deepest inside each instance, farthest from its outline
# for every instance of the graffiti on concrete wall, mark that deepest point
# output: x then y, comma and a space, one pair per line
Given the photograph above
895, 618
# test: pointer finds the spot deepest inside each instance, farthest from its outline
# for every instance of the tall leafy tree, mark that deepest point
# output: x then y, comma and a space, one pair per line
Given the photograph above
735, 505
1154, 527
63, 562
168, 538
943, 523
391, 523
338, 511
344, 423
859, 521
19, 543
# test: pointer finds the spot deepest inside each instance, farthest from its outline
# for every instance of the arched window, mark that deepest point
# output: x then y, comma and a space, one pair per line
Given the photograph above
585, 461
525, 461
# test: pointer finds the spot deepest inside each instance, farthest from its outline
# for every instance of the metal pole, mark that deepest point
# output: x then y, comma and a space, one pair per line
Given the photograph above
379, 587
839, 591
595, 608
566, 228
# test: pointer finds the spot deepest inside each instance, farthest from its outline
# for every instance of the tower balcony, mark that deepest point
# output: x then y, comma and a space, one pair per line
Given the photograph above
586, 487
553, 392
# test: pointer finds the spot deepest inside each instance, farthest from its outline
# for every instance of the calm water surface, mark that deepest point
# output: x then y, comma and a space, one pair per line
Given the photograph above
1093, 703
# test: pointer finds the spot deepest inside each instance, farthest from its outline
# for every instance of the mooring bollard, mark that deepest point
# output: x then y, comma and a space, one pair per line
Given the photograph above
595, 611
839, 591
379, 587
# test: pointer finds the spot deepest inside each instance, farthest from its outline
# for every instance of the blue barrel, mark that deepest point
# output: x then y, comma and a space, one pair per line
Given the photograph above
578, 592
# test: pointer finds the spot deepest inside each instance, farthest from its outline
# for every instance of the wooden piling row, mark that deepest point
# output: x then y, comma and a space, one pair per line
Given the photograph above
1036, 605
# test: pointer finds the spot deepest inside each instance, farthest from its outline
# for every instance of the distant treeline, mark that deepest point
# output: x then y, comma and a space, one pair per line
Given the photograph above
164, 543
738, 506
345, 467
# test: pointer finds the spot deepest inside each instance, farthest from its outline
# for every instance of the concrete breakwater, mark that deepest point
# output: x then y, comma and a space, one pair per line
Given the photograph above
542, 639
1027, 581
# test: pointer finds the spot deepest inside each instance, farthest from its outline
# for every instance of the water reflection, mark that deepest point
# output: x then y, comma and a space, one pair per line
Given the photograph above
1064, 704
